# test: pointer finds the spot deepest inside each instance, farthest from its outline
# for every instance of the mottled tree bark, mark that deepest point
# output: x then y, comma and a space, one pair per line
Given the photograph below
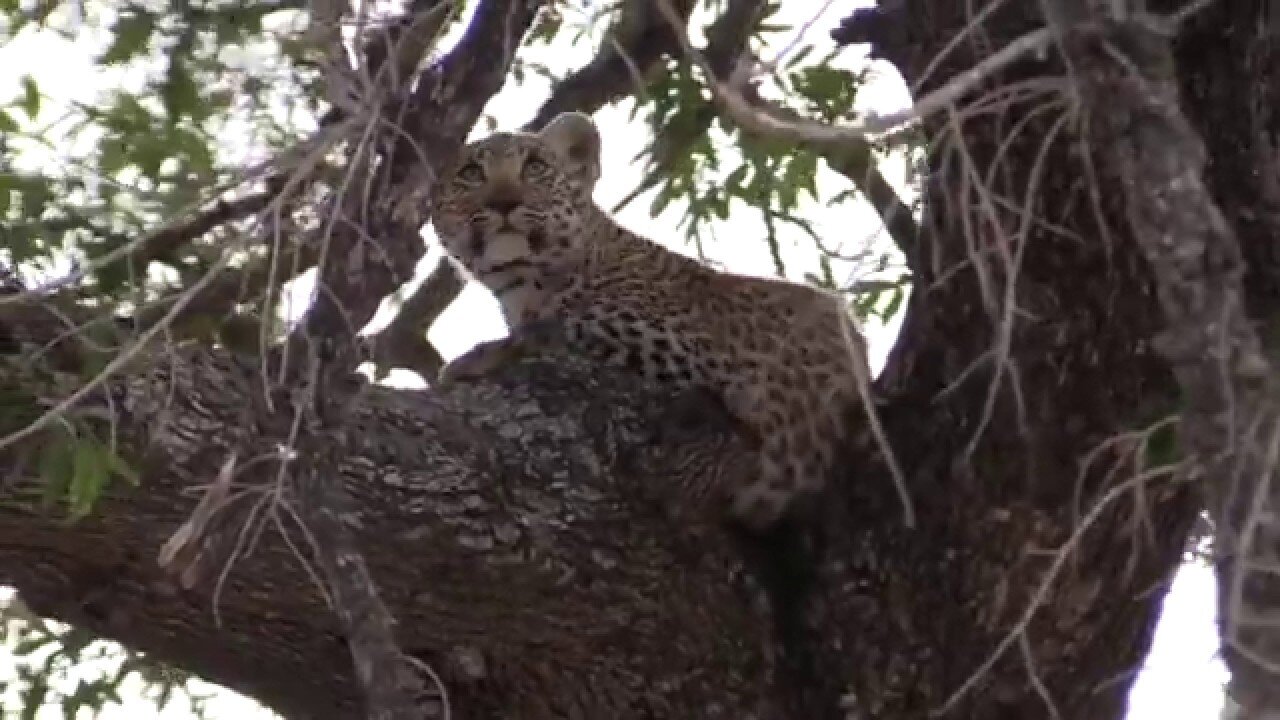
1127, 309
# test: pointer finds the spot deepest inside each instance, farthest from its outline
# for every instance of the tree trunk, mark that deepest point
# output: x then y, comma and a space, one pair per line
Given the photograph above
530, 535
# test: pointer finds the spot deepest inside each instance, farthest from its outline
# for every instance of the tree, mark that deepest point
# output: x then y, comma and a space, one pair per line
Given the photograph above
1084, 368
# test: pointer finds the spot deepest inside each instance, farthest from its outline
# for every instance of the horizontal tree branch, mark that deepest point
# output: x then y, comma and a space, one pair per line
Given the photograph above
517, 532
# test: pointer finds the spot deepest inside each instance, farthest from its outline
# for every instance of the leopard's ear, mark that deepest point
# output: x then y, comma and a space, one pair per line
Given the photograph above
573, 136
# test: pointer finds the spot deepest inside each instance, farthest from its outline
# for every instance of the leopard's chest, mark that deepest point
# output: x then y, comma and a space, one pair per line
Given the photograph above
521, 305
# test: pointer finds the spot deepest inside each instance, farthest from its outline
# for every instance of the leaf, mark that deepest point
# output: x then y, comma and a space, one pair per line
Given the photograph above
799, 56
118, 466
662, 199
30, 644
895, 302
149, 155
30, 96
132, 30
36, 195
6, 194
55, 468
33, 698
179, 92
89, 477
8, 124
43, 10
111, 156
196, 150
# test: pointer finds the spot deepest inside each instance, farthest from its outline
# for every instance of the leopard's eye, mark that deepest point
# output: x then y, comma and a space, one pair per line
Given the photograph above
471, 172
535, 166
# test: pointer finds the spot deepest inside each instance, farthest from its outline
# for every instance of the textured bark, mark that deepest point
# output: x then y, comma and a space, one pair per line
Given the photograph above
506, 528
1228, 60
1117, 275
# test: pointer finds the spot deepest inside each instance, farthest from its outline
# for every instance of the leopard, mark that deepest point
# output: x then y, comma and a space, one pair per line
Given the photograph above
515, 211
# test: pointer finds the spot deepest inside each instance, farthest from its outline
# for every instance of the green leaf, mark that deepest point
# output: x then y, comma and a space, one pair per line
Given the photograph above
7, 187
1162, 447
33, 698
55, 468
89, 477
30, 644
43, 10
799, 56
179, 92
895, 302
111, 156
36, 195
30, 96
149, 155
8, 124
733, 183
662, 199
118, 466
132, 30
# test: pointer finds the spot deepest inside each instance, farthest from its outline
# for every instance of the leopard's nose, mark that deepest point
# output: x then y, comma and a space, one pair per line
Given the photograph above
503, 205
503, 199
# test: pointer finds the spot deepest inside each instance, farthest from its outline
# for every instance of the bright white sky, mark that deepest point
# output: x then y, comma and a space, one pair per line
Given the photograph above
1181, 679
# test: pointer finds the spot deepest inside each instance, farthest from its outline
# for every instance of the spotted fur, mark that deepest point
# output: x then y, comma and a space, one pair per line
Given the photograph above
516, 213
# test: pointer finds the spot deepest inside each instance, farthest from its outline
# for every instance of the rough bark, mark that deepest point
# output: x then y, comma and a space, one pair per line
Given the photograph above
1228, 62
1140, 192
509, 529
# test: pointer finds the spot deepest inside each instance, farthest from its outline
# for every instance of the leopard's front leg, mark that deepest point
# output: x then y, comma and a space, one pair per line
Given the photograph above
488, 357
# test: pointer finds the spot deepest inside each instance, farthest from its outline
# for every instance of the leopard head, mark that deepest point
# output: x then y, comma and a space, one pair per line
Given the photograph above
516, 206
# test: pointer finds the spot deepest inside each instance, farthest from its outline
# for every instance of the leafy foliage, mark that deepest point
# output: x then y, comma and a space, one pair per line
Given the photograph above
181, 114
714, 169
66, 669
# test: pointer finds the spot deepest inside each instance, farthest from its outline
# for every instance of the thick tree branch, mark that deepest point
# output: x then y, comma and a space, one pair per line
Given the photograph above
509, 560
1230, 421
403, 343
376, 244
437, 118
368, 242
512, 527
